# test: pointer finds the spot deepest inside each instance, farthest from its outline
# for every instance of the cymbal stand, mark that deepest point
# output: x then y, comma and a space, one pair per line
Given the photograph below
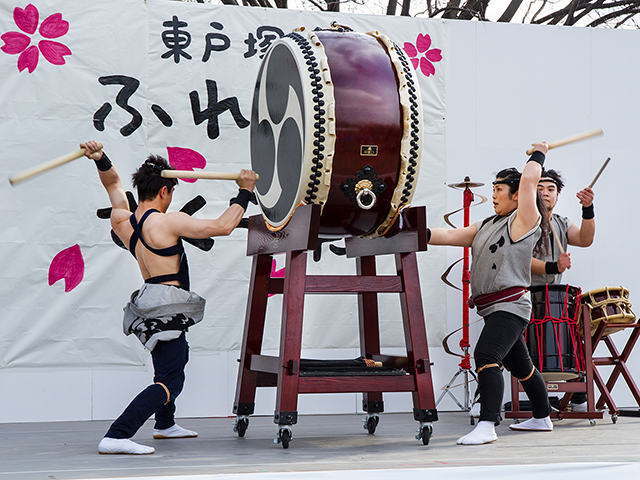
464, 367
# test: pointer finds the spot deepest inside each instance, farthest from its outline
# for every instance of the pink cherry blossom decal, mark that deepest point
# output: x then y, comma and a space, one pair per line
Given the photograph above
28, 59
27, 19
54, 26
186, 159
67, 265
17, 43
54, 51
422, 55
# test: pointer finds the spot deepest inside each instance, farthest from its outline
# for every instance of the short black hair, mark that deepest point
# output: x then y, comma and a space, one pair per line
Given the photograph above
509, 176
554, 177
147, 178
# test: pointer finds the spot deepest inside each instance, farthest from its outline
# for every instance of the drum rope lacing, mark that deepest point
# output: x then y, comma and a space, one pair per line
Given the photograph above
617, 298
572, 324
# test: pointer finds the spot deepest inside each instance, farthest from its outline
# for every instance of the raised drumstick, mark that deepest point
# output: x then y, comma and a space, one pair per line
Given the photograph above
606, 162
46, 166
573, 138
201, 175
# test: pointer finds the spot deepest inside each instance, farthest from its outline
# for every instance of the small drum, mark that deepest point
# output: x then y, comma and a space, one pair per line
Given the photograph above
552, 334
336, 120
611, 304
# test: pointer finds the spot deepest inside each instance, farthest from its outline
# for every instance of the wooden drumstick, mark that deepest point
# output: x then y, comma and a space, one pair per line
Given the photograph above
573, 138
201, 175
46, 166
606, 162
555, 235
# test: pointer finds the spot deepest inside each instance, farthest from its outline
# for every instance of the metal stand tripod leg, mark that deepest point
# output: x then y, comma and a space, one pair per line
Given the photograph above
447, 389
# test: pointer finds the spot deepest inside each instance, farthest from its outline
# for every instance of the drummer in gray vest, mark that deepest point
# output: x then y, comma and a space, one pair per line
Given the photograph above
549, 267
502, 247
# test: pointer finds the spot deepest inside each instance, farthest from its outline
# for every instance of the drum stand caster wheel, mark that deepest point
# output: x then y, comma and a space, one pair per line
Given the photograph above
425, 432
285, 436
370, 423
240, 425
614, 418
516, 421
592, 422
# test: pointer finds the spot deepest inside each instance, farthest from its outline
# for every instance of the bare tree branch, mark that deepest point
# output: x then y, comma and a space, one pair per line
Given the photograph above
406, 5
535, 15
474, 8
614, 13
572, 8
510, 11
333, 5
451, 10
317, 5
605, 18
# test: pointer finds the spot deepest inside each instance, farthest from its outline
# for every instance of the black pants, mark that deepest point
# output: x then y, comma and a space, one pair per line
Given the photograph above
169, 360
502, 342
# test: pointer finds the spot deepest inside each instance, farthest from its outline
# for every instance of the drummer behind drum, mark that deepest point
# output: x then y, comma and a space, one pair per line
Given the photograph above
549, 268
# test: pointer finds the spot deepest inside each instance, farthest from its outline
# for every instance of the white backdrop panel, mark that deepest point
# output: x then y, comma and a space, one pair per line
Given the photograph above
116, 86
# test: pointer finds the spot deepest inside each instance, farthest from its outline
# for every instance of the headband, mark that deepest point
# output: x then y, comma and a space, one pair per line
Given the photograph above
550, 179
507, 181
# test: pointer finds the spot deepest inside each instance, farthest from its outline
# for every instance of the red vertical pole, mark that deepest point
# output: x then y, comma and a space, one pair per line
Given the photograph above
466, 279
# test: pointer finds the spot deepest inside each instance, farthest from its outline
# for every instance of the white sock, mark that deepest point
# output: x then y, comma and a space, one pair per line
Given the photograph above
176, 431
534, 424
123, 445
579, 407
485, 432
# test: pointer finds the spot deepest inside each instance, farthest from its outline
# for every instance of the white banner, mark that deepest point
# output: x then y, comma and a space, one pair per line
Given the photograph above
173, 79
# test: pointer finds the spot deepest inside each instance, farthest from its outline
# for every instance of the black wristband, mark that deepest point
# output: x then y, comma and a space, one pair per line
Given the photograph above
551, 268
537, 157
588, 212
428, 234
242, 199
104, 163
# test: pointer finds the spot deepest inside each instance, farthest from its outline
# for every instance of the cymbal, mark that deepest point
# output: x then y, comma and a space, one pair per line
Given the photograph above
467, 183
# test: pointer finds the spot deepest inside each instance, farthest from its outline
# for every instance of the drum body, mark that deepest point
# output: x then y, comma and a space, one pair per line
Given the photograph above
336, 121
611, 304
552, 334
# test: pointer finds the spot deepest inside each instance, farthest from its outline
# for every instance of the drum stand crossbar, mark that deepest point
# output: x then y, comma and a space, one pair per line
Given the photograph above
284, 372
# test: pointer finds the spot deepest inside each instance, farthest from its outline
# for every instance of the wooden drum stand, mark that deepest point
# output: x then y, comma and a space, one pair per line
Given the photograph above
284, 372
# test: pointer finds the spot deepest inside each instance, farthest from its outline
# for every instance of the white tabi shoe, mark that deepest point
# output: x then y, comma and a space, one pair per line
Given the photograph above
485, 432
123, 446
174, 432
534, 425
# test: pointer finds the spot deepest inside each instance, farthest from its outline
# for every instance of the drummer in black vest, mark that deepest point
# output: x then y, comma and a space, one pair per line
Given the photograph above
501, 249
550, 267
160, 313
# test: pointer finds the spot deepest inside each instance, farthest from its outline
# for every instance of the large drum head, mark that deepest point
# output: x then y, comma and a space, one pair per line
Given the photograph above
336, 121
